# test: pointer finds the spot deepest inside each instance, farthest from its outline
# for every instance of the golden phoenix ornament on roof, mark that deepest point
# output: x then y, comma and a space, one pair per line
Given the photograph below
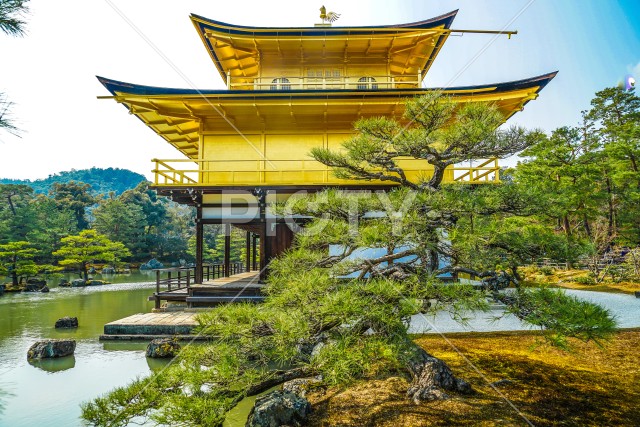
328, 16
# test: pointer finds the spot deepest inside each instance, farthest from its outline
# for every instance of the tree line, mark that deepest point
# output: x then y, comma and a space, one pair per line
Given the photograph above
40, 232
584, 183
102, 181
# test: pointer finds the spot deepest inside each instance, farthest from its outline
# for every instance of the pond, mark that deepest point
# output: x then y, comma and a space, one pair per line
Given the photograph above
625, 308
50, 392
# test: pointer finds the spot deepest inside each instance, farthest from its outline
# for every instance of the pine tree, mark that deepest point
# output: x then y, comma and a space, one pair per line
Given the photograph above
334, 311
11, 23
87, 247
16, 261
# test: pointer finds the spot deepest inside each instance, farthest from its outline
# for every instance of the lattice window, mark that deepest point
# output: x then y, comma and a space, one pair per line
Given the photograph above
329, 78
365, 83
281, 83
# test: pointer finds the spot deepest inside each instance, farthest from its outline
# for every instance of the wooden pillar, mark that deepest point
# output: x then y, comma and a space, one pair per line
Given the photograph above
264, 235
264, 252
254, 254
227, 250
199, 248
248, 253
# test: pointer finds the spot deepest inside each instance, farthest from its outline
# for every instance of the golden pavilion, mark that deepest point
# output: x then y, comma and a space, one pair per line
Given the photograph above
289, 90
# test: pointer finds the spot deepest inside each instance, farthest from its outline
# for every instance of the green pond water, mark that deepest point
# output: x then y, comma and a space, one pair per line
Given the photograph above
49, 393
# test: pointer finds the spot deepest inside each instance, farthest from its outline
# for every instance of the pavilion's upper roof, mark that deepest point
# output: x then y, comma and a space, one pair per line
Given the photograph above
408, 48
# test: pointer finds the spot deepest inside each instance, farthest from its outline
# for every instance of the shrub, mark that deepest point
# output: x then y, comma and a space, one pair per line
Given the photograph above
547, 271
585, 280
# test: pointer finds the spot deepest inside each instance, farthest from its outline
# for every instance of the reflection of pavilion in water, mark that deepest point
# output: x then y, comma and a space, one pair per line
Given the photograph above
290, 90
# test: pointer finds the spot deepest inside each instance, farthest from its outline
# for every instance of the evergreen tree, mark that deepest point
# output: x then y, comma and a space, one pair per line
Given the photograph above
332, 311
615, 117
565, 171
121, 222
51, 225
170, 241
16, 212
11, 23
75, 197
16, 261
153, 207
155, 219
11, 16
87, 247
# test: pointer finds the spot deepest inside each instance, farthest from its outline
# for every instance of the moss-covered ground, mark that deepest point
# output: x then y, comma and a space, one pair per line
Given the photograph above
570, 279
589, 386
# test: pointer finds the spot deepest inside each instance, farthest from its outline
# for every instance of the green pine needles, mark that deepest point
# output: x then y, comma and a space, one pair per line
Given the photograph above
339, 302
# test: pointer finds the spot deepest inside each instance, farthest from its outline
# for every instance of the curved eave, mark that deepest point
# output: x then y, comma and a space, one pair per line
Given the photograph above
445, 20
204, 25
118, 88
176, 114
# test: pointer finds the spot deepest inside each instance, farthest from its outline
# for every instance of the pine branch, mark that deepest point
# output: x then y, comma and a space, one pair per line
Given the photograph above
11, 13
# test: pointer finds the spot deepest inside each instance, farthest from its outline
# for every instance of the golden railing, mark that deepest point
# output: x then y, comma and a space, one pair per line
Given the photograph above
487, 171
220, 173
276, 83
167, 175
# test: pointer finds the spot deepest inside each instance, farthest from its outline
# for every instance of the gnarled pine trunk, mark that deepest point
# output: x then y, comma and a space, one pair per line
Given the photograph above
431, 377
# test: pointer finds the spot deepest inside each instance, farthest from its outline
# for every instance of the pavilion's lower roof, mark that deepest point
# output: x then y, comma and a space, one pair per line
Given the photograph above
177, 114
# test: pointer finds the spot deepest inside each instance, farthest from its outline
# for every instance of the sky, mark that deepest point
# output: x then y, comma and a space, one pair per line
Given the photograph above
49, 74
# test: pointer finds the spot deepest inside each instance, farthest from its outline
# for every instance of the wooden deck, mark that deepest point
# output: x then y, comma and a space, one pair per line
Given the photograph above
243, 287
151, 325
249, 278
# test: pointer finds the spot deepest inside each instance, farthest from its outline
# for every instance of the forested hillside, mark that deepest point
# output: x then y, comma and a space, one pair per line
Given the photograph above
102, 181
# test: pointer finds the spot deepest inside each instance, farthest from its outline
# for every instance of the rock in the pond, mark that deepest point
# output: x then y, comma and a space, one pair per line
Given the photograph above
51, 348
45, 289
67, 322
163, 347
35, 285
637, 294
279, 408
301, 386
78, 283
108, 270
96, 283
152, 265
64, 283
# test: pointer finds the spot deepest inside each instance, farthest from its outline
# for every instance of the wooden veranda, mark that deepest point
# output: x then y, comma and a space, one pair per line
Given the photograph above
243, 286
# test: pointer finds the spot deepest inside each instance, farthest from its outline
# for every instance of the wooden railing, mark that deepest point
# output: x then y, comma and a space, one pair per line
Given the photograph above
173, 279
281, 83
177, 172
176, 278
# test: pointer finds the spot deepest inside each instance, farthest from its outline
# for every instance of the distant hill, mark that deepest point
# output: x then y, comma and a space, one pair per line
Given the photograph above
102, 181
